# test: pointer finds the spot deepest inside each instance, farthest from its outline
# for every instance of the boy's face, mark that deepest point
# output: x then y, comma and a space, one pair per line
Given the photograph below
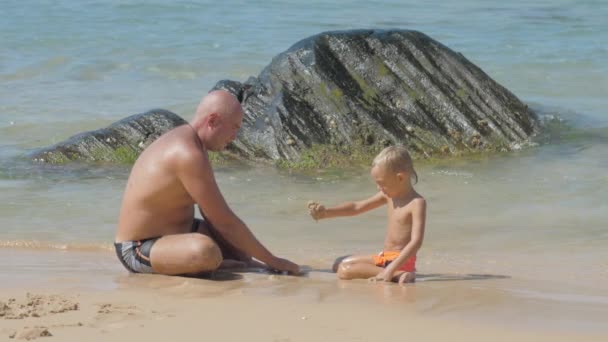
389, 183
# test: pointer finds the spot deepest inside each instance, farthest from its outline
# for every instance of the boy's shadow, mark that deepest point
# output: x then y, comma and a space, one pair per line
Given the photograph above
452, 277
439, 276
232, 274
430, 276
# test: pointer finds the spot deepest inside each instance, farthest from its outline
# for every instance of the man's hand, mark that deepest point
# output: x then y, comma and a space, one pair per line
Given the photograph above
316, 210
281, 264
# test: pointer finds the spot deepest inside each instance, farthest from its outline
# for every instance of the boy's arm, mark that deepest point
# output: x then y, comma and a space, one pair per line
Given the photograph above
418, 224
318, 211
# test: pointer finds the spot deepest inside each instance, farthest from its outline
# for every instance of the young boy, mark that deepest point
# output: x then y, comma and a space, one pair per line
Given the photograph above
392, 171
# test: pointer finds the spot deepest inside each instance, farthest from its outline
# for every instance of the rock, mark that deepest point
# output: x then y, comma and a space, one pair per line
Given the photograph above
120, 142
354, 91
339, 97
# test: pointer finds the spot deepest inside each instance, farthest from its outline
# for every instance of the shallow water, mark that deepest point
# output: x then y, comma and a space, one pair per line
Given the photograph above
533, 221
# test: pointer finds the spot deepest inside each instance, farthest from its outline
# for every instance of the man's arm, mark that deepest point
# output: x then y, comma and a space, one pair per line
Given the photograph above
318, 211
194, 171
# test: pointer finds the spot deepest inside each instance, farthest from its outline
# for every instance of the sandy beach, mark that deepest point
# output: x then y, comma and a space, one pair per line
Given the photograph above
231, 315
107, 303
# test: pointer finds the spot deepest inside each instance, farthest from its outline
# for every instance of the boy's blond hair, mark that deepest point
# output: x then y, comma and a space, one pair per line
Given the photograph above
396, 159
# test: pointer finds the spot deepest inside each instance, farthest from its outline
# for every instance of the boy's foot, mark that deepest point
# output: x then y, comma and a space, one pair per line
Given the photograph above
407, 277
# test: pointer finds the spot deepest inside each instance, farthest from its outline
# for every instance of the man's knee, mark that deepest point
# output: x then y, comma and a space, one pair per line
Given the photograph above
203, 254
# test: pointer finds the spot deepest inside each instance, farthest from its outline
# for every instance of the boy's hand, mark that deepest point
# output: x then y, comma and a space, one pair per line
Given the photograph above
316, 210
386, 275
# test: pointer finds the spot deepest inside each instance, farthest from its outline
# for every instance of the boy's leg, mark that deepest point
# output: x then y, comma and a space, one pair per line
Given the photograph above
358, 271
403, 277
353, 259
367, 271
364, 267
357, 267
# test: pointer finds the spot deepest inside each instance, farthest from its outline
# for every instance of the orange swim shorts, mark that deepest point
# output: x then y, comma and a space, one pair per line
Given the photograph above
385, 258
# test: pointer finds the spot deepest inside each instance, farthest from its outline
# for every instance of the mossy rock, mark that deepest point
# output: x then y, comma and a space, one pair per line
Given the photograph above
403, 86
119, 143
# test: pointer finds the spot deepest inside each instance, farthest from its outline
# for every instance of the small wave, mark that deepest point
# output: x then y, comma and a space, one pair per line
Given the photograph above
566, 126
60, 246
20, 167
31, 71
452, 173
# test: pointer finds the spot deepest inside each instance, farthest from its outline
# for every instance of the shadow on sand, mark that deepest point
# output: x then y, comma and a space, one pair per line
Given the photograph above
428, 276
453, 277
309, 272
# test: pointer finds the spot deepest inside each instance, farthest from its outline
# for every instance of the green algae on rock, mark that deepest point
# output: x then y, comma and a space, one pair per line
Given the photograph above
120, 143
399, 86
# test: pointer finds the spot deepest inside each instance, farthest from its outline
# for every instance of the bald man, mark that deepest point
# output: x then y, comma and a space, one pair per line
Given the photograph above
157, 231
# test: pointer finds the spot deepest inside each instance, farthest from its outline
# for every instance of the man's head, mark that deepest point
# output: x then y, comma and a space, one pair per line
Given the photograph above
218, 119
392, 170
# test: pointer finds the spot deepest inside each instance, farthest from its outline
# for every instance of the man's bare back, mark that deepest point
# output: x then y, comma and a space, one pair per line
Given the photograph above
157, 231
155, 202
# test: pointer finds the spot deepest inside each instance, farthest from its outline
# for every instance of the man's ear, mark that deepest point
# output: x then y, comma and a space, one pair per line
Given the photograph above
214, 120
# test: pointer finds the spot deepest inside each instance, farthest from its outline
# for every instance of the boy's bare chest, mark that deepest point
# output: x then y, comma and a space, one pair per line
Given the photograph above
399, 219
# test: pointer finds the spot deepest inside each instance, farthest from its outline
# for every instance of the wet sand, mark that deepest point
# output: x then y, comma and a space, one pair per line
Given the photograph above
87, 295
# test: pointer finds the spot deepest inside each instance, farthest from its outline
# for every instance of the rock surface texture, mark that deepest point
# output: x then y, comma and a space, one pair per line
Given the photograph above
346, 93
366, 89
120, 142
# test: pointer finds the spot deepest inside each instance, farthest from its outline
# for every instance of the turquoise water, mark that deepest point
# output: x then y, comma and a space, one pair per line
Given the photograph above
90, 62
69, 66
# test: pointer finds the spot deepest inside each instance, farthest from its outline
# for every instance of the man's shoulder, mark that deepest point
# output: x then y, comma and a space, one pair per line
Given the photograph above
174, 148
178, 134
186, 149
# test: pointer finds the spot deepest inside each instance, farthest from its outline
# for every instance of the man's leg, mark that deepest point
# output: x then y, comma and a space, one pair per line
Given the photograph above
182, 254
229, 252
